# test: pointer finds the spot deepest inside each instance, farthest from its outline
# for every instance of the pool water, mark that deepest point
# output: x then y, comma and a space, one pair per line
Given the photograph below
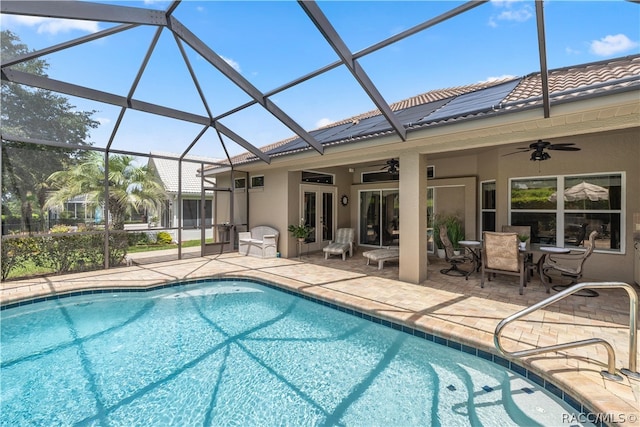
239, 353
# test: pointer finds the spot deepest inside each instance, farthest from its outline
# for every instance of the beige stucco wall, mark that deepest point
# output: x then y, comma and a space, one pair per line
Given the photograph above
278, 203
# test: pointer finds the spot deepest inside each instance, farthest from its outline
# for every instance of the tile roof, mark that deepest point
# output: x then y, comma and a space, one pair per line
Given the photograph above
564, 84
167, 171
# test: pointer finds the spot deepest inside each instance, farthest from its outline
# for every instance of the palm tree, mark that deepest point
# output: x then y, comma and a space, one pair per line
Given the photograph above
131, 187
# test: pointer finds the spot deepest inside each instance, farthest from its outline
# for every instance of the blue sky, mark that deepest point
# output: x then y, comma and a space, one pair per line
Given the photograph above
272, 43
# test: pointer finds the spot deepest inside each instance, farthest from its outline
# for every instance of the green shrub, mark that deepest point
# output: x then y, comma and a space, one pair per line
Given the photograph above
16, 252
138, 239
60, 228
164, 238
62, 252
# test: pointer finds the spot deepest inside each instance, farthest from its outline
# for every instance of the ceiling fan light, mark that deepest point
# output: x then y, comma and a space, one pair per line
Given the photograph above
540, 156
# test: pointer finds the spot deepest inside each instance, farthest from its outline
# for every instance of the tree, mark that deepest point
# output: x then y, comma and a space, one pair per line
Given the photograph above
131, 187
39, 114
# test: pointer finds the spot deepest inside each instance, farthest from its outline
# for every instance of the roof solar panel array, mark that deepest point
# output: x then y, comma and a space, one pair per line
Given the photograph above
481, 100
461, 105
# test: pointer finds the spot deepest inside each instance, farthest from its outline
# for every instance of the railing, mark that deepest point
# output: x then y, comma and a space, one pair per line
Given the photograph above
610, 373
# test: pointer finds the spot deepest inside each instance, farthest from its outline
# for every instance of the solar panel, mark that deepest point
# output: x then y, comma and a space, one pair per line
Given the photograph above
480, 100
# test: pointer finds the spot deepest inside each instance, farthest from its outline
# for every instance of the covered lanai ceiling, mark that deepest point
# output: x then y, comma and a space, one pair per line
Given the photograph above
217, 122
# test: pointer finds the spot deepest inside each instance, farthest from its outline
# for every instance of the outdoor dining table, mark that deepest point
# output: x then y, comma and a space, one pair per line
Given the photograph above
474, 247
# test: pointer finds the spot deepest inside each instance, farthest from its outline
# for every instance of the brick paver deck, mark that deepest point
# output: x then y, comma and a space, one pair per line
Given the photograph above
450, 307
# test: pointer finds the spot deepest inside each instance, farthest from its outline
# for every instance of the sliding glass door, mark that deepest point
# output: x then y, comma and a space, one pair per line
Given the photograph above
380, 217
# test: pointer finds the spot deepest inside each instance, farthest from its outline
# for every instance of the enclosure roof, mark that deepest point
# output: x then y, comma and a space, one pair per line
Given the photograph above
195, 43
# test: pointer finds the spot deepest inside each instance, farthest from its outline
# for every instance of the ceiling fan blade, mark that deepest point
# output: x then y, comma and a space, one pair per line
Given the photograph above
562, 148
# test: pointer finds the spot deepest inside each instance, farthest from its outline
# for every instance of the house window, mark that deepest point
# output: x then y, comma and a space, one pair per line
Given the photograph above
257, 181
191, 213
379, 176
239, 183
488, 205
317, 177
564, 210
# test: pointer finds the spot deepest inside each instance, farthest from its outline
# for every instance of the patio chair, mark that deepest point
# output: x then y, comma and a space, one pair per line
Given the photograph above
454, 260
523, 230
342, 244
500, 255
567, 265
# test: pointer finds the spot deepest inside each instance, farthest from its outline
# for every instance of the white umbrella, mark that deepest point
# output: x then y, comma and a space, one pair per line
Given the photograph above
583, 191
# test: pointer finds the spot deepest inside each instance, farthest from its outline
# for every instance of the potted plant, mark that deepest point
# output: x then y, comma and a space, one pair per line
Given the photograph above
437, 220
301, 231
455, 231
523, 241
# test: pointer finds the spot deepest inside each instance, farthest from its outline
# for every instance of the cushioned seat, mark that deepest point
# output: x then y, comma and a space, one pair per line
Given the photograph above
382, 255
341, 245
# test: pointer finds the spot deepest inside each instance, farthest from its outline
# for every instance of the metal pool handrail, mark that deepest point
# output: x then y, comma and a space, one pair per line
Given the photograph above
610, 373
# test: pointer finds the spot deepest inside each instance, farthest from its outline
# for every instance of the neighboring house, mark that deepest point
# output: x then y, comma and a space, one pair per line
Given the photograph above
167, 171
467, 152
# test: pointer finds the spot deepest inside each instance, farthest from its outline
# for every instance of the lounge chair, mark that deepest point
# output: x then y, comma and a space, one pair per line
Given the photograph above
342, 244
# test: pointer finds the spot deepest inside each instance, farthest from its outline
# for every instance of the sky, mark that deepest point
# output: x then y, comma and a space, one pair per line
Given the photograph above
274, 42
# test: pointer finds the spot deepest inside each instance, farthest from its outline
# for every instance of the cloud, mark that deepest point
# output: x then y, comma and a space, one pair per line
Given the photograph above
493, 79
610, 45
323, 122
51, 25
233, 63
515, 11
571, 51
103, 120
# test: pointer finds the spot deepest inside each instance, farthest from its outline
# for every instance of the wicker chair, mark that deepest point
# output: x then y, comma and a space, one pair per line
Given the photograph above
500, 255
454, 260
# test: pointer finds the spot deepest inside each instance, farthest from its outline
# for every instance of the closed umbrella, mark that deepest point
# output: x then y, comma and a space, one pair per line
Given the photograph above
583, 191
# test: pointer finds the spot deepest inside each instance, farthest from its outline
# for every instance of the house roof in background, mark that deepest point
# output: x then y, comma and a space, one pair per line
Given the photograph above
451, 105
167, 171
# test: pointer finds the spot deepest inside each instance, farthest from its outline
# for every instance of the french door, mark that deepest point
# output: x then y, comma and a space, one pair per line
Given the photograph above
318, 212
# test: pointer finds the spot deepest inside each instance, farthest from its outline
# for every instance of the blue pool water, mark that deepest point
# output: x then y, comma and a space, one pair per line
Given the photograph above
239, 353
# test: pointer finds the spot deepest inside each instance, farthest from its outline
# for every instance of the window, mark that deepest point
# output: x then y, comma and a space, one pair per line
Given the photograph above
257, 181
191, 213
488, 206
317, 177
379, 176
239, 183
587, 203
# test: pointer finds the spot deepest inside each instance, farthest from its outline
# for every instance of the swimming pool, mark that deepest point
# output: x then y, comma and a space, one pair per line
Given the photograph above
240, 353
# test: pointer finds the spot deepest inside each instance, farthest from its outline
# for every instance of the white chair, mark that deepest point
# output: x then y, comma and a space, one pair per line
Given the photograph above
342, 244
260, 241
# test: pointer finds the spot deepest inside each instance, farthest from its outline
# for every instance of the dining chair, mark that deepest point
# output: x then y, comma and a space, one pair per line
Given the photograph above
500, 255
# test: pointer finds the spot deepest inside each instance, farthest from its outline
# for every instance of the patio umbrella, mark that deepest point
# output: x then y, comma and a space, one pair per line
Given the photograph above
583, 191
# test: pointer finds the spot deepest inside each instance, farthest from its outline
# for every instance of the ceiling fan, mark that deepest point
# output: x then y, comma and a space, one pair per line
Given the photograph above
540, 146
392, 166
